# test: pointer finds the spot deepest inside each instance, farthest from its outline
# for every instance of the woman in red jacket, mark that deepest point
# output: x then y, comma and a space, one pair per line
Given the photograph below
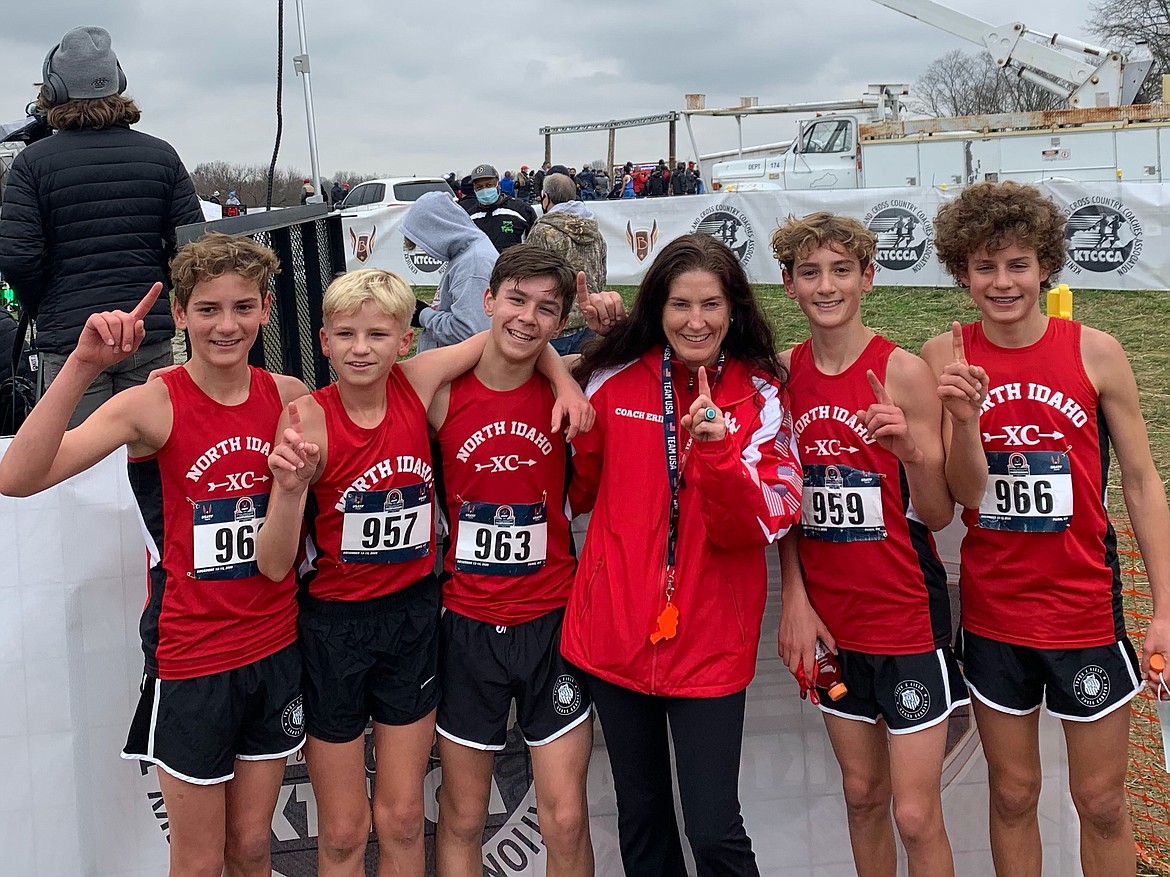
690, 472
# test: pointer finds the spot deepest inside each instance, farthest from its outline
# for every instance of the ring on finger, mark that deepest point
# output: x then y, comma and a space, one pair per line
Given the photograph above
710, 414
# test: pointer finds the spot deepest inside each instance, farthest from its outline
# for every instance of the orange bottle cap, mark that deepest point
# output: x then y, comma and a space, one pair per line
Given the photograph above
837, 691
1157, 662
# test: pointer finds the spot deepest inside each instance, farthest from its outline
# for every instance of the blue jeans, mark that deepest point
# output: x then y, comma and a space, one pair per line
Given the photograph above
566, 344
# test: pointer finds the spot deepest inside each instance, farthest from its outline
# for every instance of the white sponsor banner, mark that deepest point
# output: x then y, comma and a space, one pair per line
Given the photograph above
71, 662
1108, 228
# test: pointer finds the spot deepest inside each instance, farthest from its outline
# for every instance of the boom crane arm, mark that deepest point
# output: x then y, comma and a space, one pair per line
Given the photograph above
1095, 76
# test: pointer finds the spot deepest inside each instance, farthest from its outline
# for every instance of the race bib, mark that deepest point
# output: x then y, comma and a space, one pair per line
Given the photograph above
387, 526
225, 536
501, 540
842, 504
1027, 491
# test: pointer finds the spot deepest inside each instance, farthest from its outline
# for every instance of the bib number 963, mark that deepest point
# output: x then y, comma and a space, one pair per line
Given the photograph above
503, 540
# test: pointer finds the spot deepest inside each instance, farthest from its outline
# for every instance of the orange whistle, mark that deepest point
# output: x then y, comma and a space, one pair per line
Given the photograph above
667, 624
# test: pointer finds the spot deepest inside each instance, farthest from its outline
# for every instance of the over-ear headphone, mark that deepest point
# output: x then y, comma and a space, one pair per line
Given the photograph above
53, 88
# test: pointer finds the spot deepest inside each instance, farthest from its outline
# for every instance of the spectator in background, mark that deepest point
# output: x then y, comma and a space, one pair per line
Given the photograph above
453, 182
524, 185
641, 175
214, 199
443, 230
90, 215
504, 220
679, 180
600, 184
508, 185
569, 229
656, 183
538, 179
307, 191
336, 193
232, 206
628, 188
585, 183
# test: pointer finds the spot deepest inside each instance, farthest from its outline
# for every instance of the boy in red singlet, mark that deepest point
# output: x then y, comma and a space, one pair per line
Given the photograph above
862, 572
1040, 584
354, 462
221, 705
510, 568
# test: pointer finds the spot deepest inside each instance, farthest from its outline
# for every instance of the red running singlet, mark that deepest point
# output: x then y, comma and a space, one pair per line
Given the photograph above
1039, 562
510, 559
870, 566
202, 497
370, 516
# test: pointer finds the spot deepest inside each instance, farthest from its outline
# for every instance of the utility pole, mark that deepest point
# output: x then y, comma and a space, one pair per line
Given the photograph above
301, 65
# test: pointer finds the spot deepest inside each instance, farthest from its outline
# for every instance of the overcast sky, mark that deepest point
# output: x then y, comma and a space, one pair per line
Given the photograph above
457, 82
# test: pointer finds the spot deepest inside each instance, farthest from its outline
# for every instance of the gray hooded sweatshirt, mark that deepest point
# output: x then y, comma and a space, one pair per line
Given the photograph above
443, 230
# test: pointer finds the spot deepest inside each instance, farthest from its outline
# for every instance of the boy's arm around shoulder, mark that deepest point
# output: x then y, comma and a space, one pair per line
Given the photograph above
297, 460
571, 404
1145, 495
431, 369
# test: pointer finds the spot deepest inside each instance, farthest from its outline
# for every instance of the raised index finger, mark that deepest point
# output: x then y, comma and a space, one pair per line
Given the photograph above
294, 419
879, 392
957, 342
582, 290
704, 387
143, 307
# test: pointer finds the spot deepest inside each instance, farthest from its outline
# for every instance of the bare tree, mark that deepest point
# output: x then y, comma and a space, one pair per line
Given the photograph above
249, 182
353, 177
1122, 24
969, 83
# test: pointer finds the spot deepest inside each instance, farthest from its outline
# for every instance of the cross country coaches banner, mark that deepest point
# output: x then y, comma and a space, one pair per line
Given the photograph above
1110, 227
71, 662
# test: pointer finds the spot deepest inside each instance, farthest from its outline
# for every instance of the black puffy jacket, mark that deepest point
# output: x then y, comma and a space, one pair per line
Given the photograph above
89, 224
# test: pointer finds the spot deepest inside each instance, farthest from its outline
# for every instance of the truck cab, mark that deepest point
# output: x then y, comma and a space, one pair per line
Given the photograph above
824, 155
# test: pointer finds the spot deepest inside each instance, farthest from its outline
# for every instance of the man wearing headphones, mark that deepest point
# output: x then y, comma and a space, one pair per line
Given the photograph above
90, 214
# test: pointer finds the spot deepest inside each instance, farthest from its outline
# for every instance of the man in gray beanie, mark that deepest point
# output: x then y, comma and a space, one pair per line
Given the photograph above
90, 214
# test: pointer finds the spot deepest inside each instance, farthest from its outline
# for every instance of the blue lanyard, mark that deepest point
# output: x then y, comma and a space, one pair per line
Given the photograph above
673, 463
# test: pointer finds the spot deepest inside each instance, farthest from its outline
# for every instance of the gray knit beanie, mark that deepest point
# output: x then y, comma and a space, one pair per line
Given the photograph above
87, 64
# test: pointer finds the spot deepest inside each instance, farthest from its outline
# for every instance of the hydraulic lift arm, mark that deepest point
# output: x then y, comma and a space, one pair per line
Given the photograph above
1085, 75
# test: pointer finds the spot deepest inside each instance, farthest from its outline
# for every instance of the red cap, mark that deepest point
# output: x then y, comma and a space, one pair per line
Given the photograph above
523, 167
306, 179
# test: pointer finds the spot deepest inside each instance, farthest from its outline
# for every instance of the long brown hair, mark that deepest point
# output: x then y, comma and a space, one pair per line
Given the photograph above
749, 337
96, 112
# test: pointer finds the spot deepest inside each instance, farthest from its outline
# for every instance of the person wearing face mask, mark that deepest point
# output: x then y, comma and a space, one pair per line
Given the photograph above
504, 219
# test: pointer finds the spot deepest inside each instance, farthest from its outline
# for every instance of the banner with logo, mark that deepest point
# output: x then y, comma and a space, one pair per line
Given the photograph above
71, 663
1108, 224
